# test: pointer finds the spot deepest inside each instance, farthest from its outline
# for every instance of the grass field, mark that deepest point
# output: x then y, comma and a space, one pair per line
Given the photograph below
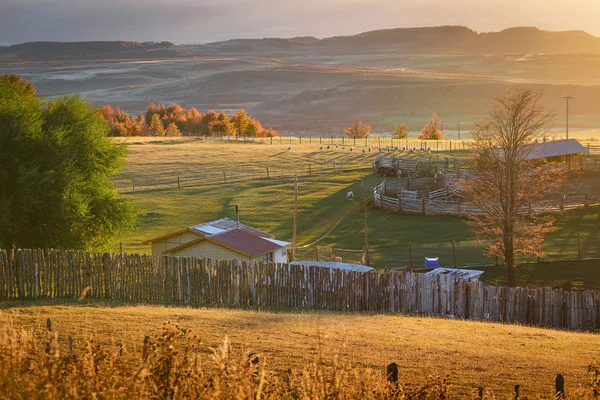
472, 354
267, 204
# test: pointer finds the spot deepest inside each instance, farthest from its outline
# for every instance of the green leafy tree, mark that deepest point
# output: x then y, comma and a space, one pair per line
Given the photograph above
55, 176
401, 132
240, 121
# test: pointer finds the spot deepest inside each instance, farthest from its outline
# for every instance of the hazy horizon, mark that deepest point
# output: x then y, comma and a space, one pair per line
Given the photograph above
189, 21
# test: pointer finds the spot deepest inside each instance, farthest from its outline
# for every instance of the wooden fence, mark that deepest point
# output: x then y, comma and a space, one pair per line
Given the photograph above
373, 141
36, 274
236, 174
423, 205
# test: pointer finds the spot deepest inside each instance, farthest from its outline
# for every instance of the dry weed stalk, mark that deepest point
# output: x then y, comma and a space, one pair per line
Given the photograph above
170, 367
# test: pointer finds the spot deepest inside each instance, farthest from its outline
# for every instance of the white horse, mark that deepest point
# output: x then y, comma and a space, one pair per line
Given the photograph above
350, 195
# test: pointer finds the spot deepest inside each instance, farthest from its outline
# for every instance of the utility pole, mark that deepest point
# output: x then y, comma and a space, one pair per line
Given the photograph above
367, 258
295, 217
568, 98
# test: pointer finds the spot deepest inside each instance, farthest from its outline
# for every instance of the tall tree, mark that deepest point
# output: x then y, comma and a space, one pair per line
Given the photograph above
156, 126
172, 130
358, 130
431, 130
21, 176
507, 180
240, 121
63, 197
220, 127
401, 132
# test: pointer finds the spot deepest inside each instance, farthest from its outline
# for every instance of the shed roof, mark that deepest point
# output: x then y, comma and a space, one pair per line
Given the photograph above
245, 242
457, 273
554, 148
213, 228
334, 265
223, 225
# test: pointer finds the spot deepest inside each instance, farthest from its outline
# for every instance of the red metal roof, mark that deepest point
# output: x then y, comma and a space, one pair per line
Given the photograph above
242, 241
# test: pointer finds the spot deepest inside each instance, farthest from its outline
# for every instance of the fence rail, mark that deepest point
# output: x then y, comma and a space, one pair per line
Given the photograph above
233, 175
35, 274
407, 203
374, 142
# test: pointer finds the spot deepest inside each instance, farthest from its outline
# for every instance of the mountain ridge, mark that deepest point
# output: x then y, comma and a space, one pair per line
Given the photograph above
440, 39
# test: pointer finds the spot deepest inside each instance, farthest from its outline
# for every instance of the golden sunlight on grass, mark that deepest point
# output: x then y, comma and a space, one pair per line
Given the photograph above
473, 354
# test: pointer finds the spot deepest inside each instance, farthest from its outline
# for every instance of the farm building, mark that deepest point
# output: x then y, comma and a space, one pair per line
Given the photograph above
570, 152
223, 239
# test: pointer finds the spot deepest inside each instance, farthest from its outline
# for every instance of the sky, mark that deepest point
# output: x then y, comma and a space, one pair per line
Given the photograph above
201, 21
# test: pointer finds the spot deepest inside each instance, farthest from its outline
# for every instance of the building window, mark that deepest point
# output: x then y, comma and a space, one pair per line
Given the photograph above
268, 258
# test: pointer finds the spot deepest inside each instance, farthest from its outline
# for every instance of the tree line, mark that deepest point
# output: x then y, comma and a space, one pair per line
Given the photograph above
359, 129
174, 120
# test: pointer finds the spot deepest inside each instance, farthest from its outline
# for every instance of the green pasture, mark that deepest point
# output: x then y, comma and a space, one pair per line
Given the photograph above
268, 205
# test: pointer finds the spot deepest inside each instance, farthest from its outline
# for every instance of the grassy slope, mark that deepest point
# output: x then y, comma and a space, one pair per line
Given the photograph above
473, 354
267, 204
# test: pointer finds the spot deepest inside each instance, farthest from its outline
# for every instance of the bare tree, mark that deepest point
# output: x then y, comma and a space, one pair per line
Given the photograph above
508, 179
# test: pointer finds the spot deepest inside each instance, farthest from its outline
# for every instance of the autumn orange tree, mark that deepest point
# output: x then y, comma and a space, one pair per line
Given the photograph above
508, 179
431, 130
358, 130
401, 132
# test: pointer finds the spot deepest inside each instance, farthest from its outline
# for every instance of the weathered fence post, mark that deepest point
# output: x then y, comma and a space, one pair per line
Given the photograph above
400, 202
267, 172
178, 183
562, 203
106, 261
517, 392
424, 201
392, 373
410, 260
560, 387
224, 177
454, 252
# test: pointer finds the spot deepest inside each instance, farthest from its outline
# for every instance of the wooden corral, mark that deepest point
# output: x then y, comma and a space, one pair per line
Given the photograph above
438, 203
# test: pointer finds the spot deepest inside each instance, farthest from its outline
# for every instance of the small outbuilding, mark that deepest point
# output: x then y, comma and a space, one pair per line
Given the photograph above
223, 239
570, 152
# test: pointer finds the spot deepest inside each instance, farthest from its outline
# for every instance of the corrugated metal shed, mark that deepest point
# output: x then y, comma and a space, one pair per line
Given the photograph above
245, 242
457, 273
334, 265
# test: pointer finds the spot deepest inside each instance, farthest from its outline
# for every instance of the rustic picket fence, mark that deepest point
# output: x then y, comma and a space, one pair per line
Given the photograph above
39, 274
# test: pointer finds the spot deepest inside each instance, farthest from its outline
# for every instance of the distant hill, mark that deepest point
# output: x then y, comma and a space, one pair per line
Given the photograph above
443, 39
57, 51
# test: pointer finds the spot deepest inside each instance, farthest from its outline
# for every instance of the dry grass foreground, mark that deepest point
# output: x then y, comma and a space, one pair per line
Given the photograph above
471, 354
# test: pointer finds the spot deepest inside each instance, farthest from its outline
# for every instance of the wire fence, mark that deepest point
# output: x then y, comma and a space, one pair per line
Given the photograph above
471, 253
374, 142
236, 174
